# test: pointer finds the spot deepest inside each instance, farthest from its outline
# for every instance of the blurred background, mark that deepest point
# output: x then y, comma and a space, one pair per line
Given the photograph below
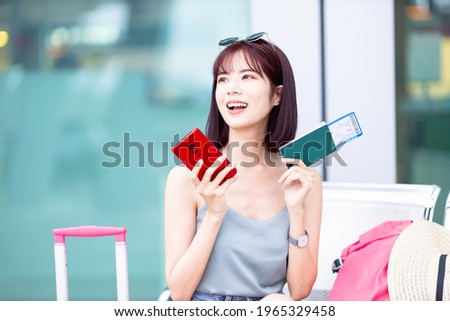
94, 92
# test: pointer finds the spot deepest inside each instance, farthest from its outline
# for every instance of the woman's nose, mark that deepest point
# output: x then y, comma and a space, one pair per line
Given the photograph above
234, 88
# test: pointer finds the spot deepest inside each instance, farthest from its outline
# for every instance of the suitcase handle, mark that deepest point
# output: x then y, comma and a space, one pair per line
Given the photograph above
62, 290
90, 231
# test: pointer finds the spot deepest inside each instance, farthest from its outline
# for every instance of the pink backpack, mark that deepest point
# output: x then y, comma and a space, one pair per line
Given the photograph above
363, 274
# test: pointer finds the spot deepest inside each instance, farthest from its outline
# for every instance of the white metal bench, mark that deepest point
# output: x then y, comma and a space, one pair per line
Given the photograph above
350, 209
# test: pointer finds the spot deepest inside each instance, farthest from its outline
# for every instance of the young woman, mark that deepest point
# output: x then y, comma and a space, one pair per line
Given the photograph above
245, 238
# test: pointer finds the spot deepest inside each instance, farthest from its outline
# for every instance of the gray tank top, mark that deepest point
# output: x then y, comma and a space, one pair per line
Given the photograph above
248, 257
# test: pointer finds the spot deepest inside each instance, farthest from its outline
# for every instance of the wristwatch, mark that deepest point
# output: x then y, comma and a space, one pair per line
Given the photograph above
302, 241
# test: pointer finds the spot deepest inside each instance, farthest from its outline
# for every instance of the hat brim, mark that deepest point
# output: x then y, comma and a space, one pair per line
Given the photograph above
413, 262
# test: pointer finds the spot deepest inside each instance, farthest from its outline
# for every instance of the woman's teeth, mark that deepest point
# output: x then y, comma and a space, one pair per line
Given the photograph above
236, 105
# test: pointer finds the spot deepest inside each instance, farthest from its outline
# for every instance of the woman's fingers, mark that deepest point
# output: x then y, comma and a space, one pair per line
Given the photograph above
224, 173
212, 176
211, 170
298, 168
227, 183
195, 171
294, 161
305, 179
296, 173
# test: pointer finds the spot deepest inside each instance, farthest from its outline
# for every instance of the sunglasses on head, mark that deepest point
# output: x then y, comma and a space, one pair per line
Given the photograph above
253, 37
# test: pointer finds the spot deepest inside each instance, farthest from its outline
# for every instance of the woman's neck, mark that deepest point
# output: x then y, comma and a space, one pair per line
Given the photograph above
248, 149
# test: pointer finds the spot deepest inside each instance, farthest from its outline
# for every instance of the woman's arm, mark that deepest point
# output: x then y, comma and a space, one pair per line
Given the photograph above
303, 193
303, 262
186, 251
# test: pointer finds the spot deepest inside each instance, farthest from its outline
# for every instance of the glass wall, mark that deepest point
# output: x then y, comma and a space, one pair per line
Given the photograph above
423, 95
92, 94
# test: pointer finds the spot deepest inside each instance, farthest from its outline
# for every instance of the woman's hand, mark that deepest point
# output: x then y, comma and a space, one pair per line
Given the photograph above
296, 182
212, 192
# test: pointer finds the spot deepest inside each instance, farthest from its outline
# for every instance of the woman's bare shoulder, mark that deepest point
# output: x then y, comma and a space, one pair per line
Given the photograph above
179, 181
179, 174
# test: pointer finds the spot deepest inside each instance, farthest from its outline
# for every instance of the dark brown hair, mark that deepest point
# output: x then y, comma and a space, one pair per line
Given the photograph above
265, 58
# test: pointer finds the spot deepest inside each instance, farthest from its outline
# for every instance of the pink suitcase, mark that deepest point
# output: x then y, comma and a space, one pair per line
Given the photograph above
62, 289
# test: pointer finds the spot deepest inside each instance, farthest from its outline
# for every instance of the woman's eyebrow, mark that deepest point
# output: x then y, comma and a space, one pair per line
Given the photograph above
224, 72
250, 70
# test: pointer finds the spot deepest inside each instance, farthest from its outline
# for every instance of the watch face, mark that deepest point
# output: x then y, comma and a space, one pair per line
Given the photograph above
302, 241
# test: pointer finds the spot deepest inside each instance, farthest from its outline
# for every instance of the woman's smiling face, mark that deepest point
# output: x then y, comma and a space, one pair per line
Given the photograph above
244, 96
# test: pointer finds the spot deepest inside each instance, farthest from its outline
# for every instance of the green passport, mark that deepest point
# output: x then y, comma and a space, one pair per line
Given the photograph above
311, 147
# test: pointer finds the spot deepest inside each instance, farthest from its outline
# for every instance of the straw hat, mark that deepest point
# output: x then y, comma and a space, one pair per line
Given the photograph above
417, 258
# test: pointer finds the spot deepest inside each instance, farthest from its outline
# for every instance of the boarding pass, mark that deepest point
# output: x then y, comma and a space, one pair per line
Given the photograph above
345, 129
